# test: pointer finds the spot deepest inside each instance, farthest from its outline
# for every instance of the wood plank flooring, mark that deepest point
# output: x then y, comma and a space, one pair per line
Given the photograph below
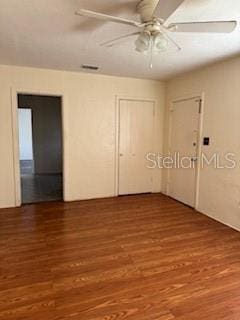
142, 257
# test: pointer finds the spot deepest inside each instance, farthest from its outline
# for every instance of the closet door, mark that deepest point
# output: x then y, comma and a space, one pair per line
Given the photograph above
135, 142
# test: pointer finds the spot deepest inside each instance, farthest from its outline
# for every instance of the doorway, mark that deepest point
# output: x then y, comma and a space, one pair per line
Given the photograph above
136, 132
184, 150
40, 148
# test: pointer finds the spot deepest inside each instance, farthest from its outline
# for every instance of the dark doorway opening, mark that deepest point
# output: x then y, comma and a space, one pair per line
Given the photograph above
40, 141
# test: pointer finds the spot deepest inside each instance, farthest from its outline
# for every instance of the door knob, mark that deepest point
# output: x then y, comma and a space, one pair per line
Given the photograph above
121, 154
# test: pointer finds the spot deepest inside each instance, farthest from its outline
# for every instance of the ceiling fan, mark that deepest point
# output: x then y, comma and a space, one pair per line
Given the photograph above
153, 35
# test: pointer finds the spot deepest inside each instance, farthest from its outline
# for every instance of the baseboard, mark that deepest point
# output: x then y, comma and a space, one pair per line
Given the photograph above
219, 220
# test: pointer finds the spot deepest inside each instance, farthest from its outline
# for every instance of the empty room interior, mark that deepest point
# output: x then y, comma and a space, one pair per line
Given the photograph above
120, 160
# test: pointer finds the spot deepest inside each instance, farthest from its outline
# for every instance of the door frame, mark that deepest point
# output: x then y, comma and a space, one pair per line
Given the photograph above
15, 135
117, 132
201, 97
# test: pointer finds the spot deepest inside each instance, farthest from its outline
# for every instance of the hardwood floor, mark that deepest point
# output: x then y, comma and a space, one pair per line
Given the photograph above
138, 258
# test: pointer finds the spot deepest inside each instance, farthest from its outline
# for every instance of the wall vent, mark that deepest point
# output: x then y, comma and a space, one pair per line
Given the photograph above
88, 67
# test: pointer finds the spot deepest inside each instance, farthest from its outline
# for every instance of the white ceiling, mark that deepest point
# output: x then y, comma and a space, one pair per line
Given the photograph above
47, 34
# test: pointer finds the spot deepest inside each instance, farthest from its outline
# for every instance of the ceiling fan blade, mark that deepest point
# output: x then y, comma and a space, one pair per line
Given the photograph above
170, 39
146, 9
106, 17
166, 8
208, 27
115, 41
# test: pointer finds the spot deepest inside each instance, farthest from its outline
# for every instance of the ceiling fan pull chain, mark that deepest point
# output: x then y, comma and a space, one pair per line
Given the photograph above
151, 52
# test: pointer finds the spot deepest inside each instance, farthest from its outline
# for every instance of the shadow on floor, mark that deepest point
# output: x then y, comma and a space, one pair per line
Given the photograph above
39, 188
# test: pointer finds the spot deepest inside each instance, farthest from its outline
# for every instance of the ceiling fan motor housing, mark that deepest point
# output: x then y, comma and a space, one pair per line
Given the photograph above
153, 27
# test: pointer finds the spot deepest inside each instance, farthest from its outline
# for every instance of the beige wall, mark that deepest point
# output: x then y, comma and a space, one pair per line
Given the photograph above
219, 190
90, 126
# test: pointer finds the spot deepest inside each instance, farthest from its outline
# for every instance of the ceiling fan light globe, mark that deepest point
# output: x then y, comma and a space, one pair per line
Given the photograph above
140, 50
160, 43
143, 41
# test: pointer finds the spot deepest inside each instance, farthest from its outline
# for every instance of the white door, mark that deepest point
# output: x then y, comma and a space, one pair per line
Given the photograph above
184, 150
135, 142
